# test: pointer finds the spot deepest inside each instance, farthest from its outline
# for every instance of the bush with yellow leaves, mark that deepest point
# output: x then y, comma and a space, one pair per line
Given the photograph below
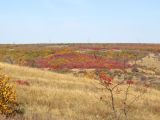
8, 103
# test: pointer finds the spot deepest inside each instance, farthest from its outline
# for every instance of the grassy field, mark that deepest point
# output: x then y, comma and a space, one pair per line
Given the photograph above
54, 96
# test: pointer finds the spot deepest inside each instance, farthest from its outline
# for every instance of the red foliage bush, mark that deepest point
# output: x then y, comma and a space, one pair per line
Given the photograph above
107, 80
22, 82
77, 60
130, 82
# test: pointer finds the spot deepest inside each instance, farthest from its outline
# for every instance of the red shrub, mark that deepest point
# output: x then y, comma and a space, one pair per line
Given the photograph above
22, 82
77, 60
130, 82
105, 78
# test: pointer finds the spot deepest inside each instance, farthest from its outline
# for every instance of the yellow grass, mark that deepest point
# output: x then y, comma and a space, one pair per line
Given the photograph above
53, 96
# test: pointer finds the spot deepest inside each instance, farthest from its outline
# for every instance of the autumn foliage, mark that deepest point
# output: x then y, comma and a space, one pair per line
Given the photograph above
8, 103
22, 82
74, 60
106, 79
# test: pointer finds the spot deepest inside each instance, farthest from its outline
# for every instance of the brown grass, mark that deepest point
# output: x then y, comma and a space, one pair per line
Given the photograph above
53, 96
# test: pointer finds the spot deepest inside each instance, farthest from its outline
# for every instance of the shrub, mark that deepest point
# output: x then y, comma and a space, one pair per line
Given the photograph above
8, 103
123, 88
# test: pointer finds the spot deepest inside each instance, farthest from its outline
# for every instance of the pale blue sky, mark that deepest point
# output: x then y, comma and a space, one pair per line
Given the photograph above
63, 21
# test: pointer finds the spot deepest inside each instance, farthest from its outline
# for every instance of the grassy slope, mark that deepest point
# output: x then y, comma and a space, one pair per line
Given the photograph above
65, 97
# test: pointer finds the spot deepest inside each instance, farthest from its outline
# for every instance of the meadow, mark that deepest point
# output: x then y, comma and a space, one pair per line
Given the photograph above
65, 82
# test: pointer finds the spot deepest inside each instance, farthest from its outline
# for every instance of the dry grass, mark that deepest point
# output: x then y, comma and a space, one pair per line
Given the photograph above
53, 96
151, 62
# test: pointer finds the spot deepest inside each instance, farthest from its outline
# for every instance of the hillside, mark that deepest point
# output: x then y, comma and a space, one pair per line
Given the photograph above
54, 96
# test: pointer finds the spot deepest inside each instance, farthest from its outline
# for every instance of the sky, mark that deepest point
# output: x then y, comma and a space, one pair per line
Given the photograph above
79, 21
